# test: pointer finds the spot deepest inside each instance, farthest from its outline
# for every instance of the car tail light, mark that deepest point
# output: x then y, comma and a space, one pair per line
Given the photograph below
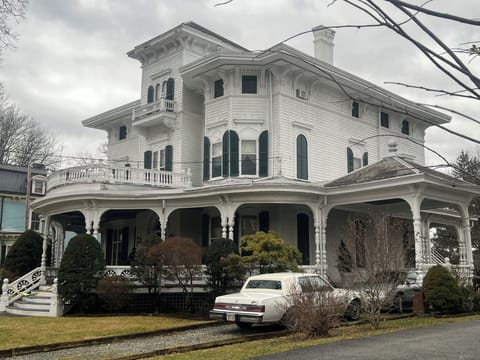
255, 308
220, 306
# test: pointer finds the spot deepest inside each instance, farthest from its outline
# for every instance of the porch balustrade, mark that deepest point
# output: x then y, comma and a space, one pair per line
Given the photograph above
102, 173
146, 110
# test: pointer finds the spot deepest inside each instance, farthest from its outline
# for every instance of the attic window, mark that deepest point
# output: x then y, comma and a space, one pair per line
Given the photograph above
384, 120
38, 186
218, 88
355, 109
249, 84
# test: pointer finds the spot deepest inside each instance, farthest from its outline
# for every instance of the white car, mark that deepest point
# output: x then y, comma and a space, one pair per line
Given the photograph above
264, 298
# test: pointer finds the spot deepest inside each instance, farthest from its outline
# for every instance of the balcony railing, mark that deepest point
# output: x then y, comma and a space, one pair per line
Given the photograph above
101, 173
161, 112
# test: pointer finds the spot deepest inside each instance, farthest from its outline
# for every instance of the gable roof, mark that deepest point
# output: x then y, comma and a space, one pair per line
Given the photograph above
389, 168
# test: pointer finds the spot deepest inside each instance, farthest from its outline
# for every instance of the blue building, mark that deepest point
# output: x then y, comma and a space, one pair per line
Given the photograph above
13, 202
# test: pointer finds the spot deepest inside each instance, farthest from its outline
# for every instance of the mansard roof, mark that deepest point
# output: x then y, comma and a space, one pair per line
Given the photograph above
394, 167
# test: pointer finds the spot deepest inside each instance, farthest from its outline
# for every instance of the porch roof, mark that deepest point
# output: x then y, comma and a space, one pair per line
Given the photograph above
390, 168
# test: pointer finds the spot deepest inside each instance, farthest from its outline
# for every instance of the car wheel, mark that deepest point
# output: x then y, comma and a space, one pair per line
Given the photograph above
353, 310
290, 320
243, 325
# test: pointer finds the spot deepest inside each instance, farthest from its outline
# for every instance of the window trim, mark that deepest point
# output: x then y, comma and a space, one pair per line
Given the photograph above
38, 179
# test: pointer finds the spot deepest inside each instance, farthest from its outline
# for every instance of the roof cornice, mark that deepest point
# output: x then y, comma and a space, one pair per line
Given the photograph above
112, 114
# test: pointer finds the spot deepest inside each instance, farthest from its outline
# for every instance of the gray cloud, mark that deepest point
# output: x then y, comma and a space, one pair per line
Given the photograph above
70, 63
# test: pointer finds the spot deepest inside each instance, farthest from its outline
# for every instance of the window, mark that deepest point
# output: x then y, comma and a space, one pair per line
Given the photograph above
249, 155
249, 84
168, 158
147, 160
405, 127
162, 159
248, 224
384, 120
122, 133
170, 94
158, 92
38, 186
263, 154
206, 158
353, 163
355, 109
218, 88
216, 160
150, 94
35, 222
302, 158
365, 158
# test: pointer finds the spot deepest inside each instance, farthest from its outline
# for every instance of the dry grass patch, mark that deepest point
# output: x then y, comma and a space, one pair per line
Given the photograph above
270, 346
28, 331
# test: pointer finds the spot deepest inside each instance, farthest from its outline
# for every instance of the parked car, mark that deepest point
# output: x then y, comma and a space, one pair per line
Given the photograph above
264, 298
410, 284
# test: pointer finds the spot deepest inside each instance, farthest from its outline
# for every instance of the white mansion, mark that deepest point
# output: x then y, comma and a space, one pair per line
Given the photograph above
225, 142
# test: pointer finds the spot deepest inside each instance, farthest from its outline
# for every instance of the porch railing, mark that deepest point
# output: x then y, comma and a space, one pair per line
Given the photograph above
153, 108
102, 173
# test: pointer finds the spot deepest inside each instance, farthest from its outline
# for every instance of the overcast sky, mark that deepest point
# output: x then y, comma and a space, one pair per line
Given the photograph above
70, 62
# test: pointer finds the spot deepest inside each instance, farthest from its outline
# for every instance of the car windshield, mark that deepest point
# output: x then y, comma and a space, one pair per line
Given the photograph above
264, 284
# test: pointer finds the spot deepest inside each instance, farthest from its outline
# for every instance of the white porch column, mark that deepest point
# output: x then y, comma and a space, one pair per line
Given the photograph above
321, 240
467, 241
43, 262
231, 225
224, 226
96, 227
415, 206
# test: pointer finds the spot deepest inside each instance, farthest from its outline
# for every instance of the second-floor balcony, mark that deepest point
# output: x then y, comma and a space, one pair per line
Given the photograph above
108, 174
161, 112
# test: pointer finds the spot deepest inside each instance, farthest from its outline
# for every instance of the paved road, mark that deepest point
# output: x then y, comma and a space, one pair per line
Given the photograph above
456, 341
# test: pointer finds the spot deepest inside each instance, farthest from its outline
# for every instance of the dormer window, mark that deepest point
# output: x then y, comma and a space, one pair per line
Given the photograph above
39, 185
122, 133
249, 84
218, 88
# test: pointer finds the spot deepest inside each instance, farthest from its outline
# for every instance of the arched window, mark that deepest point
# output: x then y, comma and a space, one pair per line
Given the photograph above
365, 159
230, 154
206, 158
302, 158
349, 160
405, 127
263, 154
170, 94
150, 94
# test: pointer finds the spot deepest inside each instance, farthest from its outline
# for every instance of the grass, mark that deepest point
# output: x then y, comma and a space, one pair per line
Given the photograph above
28, 331
270, 346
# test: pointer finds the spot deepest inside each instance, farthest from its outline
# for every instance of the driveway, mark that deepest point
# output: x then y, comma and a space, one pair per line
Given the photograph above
459, 341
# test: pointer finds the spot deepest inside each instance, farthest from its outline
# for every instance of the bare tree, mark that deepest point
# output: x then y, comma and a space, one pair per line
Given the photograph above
10, 10
22, 140
376, 261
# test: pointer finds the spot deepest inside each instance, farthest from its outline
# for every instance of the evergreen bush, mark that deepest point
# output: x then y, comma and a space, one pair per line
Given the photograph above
25, 254
441, 291
82, 266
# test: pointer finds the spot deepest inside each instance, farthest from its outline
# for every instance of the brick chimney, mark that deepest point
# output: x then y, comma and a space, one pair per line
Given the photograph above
323, 42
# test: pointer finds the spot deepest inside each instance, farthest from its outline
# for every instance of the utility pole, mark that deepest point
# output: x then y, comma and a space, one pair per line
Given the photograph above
27, 196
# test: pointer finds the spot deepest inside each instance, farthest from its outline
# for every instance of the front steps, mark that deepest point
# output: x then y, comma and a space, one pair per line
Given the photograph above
37, 303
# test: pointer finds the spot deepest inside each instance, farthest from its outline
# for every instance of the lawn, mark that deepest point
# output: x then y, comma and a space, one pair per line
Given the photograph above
28, 331
270, 346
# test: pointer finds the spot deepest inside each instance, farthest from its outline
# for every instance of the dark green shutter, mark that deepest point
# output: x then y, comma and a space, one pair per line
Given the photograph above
263, 154
147, 160
365, 159
302, 158
225, 154
206, 158
234, 153
169, 158
349, 160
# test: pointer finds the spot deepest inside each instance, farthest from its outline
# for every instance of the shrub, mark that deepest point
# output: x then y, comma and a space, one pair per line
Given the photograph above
83, 264
269, 253
221, 274
441, 291
115, 291
312, 314
25, 254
